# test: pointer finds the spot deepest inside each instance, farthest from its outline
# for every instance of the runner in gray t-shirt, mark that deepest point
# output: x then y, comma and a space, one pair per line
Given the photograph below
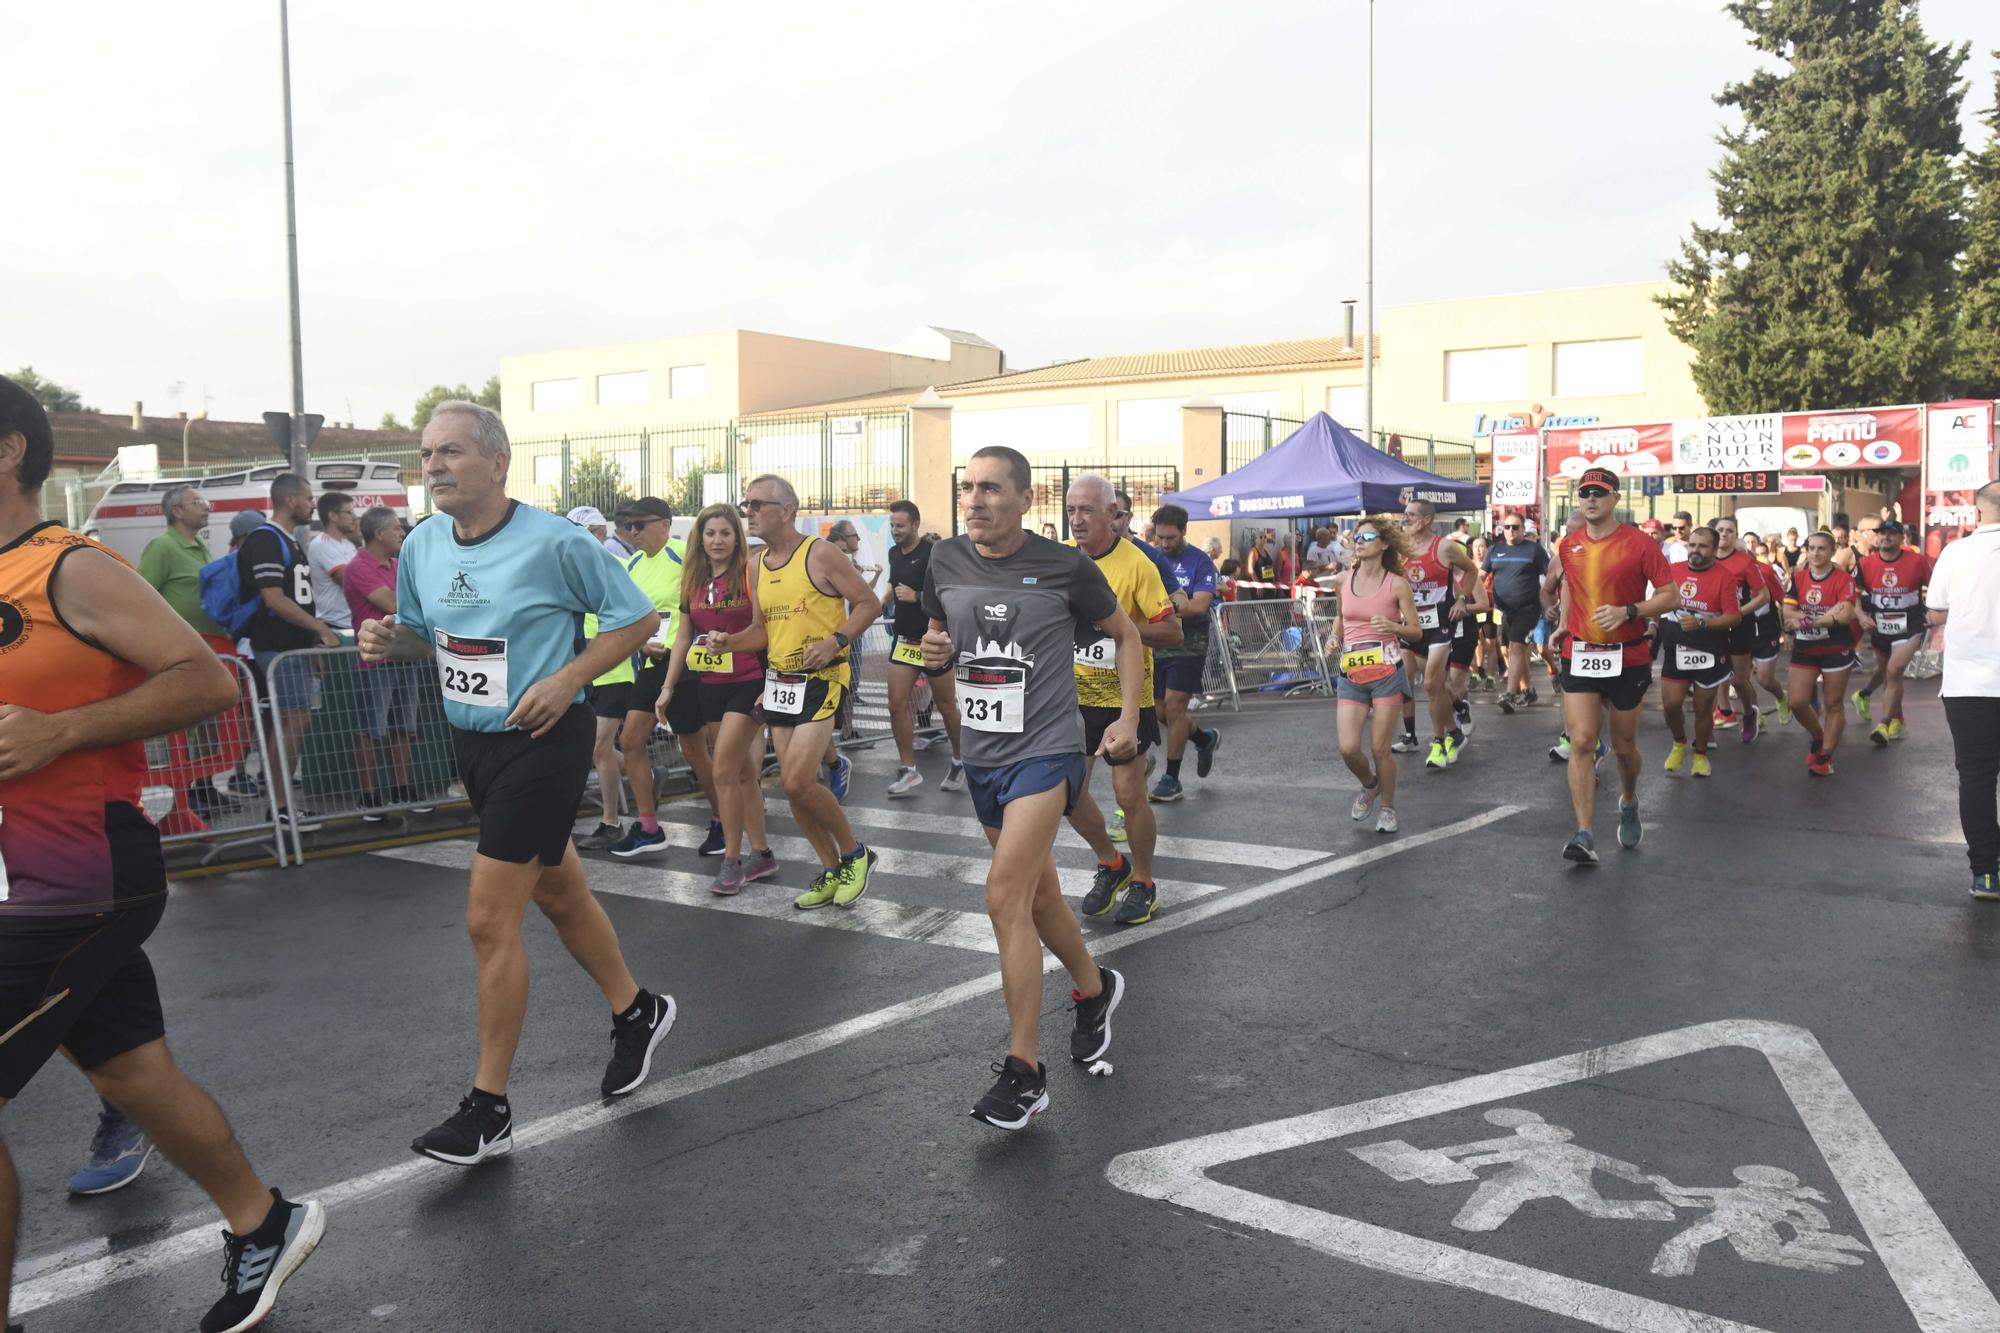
1006, 606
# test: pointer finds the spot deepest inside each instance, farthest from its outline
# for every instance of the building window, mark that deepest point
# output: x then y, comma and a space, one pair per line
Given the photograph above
624, 389
557, 395
1594, 369
1485, 374
687, 382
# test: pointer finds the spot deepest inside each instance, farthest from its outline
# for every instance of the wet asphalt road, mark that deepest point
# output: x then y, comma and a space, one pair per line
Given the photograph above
790, 1168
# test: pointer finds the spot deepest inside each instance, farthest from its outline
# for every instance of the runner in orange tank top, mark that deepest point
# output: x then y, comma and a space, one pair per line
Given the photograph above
92, 662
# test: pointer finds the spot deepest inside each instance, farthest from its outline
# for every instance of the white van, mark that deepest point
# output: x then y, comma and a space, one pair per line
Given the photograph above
129, 514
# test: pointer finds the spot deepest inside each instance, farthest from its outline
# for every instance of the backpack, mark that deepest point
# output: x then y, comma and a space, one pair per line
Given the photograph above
222, 590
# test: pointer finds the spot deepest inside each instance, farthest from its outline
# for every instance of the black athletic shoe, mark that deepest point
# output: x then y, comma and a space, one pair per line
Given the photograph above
255, 1266
479, 1129
632, 1043
1204, 755
1092, 1036
1136, 908
1020, 1095
1104, 888
714, 843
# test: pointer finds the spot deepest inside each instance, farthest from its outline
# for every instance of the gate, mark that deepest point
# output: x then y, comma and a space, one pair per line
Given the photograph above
1247, 435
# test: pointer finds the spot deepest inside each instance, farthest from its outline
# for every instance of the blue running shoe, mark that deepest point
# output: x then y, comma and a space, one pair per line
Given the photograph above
838, 775
118, 1153
712, 845
638, 842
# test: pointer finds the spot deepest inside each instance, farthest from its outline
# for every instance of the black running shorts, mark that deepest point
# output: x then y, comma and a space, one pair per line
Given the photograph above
1624, 691
1769, 640
609, 702
1464, 642
1096, 720
1716, 673
722, 697
524, 790
81, 983
1743, 637
1518, 622
1842, 660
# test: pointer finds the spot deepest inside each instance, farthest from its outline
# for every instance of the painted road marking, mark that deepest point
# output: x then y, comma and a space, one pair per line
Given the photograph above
1937, 1282
968, 870
198, 1240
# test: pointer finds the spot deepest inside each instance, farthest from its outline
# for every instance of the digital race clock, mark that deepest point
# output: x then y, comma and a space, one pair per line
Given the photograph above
1726, 483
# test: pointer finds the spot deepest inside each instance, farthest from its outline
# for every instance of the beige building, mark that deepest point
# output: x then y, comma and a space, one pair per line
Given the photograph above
712, 377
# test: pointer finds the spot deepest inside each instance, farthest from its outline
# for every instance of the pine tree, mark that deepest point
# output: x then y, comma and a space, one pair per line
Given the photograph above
1829, 281
1979, 273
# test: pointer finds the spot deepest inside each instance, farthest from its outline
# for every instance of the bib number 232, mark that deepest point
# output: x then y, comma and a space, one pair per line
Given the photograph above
473, 672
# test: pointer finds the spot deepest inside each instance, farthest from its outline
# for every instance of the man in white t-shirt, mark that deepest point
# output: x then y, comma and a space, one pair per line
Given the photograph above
1964, 597
1675, 547
1325, 555
328, 554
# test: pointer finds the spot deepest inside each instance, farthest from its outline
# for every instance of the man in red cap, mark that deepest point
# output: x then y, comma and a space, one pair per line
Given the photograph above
1606, 568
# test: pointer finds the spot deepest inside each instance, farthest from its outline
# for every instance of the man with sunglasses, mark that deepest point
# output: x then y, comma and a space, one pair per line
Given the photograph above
1606, 569
655, 565
1891, 578
1517, 566
1675, 547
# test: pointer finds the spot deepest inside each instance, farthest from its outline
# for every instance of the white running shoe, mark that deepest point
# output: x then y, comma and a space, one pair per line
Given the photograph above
1364, 802
907, 781
1386, 821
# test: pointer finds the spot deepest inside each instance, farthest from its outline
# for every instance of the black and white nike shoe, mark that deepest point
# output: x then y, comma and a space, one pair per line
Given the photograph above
633, 1040
1092, 1036
482, 1127
255, 1266
1021, 1094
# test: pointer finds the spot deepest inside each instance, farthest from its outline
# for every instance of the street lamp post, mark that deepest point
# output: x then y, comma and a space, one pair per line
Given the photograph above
298, 449
187, 424
1368, 246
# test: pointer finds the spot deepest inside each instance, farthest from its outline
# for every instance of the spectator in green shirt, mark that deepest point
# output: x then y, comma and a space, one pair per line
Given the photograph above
172, 561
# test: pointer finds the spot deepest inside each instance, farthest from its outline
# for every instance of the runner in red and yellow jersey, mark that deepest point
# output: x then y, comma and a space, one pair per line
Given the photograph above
1751, 592
1821, 612
1695, 648
1891, 578
1606, 568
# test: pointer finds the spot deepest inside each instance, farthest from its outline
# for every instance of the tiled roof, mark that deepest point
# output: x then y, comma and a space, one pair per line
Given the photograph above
1244, 358
92, 439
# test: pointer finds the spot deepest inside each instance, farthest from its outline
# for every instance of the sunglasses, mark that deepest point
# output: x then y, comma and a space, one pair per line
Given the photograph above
1367, 537
1510, 527
635, 524
1593, 493
752, 506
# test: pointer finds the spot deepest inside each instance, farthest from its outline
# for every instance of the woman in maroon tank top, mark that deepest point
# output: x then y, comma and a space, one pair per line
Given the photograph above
1377, 616
717, 605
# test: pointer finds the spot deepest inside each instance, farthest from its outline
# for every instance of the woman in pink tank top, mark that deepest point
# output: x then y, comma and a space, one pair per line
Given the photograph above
1377, 616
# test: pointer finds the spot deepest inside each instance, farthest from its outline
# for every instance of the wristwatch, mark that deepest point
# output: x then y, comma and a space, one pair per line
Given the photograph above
841, 639
1631, 610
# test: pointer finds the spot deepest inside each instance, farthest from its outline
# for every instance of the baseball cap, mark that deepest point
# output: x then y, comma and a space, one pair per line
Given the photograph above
1651, 525
651, 506
1894, 525
1598, 476
587, 516
246, 522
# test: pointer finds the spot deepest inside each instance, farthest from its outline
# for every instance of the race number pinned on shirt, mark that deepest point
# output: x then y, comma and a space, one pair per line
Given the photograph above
471, 671
1891, 623
1596, 661
910, 652
710, 663
1355, 659
991, 698
1809, 633
1098, 655
1691, 659
785, 692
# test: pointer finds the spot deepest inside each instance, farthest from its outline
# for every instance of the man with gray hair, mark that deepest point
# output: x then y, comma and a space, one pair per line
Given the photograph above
172, 562
493, 593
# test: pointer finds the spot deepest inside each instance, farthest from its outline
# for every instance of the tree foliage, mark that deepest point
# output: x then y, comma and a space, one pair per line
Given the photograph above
1979, 274
420, 415
52, 396
1829, 280
597, 479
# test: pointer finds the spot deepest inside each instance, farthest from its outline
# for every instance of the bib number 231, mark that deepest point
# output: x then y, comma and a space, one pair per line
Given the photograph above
991, 698
471, 671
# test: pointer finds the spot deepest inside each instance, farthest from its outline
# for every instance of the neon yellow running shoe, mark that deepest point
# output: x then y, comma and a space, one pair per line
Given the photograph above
1895, 728
1436, 760
1677, 757
1784, 711
1700, 768
820, 892
1863, 707
1115, 826
852, 877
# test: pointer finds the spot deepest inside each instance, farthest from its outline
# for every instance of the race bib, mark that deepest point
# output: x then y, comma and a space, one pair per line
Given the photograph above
472, 672
785, 692
1693, 659
1596, 661
1099, 655
710, 663
1891, 623
1353, 659
991, 698
1427, 617
907, 651
1809, 633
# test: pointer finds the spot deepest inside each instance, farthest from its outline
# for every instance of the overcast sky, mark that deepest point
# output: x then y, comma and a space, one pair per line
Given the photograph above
479, 179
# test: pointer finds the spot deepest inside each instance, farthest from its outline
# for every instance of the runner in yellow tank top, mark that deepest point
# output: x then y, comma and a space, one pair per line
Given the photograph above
811, 604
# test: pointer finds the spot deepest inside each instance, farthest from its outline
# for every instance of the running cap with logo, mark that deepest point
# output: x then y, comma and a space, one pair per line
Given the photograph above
587, 516
1597, 476
246, 523
648, 506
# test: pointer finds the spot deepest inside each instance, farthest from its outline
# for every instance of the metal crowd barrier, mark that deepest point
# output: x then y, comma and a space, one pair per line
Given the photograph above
200, 784
1276, 645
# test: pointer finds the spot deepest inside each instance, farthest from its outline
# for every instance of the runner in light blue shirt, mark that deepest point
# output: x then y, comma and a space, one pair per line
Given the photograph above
506, 611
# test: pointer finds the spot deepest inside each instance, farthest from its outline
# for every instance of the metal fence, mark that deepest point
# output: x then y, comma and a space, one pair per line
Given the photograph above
1246, 435
207, 785
837, 463
1145, 483
1276, 646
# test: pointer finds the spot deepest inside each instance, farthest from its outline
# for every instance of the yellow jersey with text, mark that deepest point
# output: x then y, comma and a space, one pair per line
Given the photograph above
797, 612
1135, 582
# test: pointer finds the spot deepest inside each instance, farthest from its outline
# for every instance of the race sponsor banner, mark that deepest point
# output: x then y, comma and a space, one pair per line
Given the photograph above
1869, 437
1517, 468
1753, 443
1959, 460
1635, 451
